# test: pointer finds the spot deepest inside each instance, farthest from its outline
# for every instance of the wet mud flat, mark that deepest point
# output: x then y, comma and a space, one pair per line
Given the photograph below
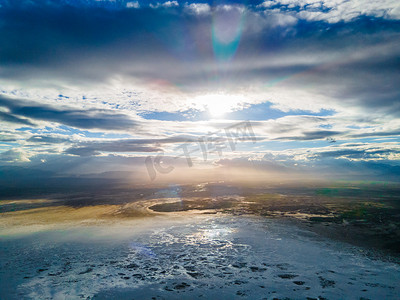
369, 222
191, 256
199, 245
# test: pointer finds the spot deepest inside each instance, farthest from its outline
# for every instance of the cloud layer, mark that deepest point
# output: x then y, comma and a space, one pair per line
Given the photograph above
109, 81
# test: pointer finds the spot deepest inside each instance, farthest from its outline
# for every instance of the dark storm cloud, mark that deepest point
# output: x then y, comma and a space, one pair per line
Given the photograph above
356, 153
265, 165
89, 41
5, 138
44, 139
312, 135
81, 151
377, 134
83, 43
322, 167
88, 151
6, 117
370, 82
126, 145
86, 119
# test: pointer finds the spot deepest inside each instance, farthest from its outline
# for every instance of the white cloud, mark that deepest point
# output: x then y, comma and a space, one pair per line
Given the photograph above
280, 19
170, 4
198, 8
133, 4
166, 4
229, 7
334, 11
266, 4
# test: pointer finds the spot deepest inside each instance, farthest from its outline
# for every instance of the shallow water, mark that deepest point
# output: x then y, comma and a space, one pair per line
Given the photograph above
186, 256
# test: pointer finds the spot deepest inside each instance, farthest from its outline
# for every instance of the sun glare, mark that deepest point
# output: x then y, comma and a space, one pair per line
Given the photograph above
218, 105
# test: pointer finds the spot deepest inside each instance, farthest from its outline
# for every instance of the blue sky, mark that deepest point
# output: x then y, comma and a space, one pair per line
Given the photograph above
93, 87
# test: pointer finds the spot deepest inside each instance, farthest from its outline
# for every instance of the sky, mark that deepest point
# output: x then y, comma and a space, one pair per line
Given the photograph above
184, 91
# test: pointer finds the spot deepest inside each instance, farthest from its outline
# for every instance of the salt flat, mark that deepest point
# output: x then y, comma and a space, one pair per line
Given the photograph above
186, 256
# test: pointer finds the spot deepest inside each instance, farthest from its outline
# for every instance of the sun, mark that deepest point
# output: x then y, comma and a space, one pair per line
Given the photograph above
218, 104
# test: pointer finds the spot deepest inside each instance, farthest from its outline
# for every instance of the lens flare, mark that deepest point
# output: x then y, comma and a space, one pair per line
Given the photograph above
226, 31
